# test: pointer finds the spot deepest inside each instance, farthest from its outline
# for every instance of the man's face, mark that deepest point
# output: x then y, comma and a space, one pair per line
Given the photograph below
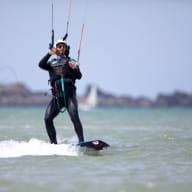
60, 48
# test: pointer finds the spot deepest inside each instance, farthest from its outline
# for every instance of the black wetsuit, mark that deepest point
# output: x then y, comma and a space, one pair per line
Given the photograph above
59, 69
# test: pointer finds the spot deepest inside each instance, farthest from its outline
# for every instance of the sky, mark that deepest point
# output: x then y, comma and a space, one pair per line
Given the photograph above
130, 47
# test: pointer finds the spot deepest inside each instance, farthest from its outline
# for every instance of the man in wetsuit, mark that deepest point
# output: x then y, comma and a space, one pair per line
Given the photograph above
63, 72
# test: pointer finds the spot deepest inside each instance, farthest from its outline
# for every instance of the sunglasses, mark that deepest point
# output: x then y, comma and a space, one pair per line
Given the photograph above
60, 46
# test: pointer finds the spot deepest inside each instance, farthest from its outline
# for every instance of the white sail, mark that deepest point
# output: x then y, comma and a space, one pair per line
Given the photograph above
91, 100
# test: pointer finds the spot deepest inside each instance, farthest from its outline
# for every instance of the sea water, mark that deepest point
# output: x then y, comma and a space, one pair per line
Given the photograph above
151, 150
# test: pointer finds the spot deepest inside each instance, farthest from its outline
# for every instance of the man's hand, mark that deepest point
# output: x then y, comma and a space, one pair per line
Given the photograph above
52, 51
73, 64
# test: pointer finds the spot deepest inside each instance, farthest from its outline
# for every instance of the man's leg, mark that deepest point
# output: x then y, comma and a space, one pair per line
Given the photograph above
73, 113
51, 112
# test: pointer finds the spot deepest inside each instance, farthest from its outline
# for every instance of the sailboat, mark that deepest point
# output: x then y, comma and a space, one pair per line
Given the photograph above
91, 101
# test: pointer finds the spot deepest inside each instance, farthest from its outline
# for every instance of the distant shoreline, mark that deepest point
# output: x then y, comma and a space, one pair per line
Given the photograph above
19, 95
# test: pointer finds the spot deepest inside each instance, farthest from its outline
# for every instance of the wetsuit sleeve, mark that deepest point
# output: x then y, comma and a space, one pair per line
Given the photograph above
78, 73
43, 63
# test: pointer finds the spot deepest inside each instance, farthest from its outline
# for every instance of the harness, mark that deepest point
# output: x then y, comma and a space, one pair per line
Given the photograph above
58, 85
61, 81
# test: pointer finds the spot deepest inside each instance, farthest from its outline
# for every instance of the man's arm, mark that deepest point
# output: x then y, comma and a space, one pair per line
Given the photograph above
43, 63
78, 73
74, 65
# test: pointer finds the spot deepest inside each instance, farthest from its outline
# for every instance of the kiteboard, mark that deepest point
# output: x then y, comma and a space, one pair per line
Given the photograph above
94, 144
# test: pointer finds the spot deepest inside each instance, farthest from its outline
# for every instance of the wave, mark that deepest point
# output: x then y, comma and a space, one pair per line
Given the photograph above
35, 147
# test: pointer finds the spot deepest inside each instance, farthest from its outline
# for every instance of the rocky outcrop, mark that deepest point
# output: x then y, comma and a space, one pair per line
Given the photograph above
177, 99
19, 95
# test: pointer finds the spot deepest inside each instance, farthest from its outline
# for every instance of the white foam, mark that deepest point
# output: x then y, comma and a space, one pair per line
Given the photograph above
35, 147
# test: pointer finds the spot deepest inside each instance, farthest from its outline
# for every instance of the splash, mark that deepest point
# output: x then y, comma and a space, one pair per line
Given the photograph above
35, 147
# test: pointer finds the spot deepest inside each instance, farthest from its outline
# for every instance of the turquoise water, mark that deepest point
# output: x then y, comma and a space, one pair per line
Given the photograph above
151, 150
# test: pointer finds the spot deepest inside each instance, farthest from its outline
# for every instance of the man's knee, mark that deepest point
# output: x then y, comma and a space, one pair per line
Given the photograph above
48, 119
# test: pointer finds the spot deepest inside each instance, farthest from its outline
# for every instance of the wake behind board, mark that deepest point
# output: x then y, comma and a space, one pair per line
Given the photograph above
94, 144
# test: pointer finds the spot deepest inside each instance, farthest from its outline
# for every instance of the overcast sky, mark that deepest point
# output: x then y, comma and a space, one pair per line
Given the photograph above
130, 47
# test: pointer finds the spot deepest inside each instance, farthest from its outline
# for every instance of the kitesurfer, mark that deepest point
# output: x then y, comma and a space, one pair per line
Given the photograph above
63, 72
